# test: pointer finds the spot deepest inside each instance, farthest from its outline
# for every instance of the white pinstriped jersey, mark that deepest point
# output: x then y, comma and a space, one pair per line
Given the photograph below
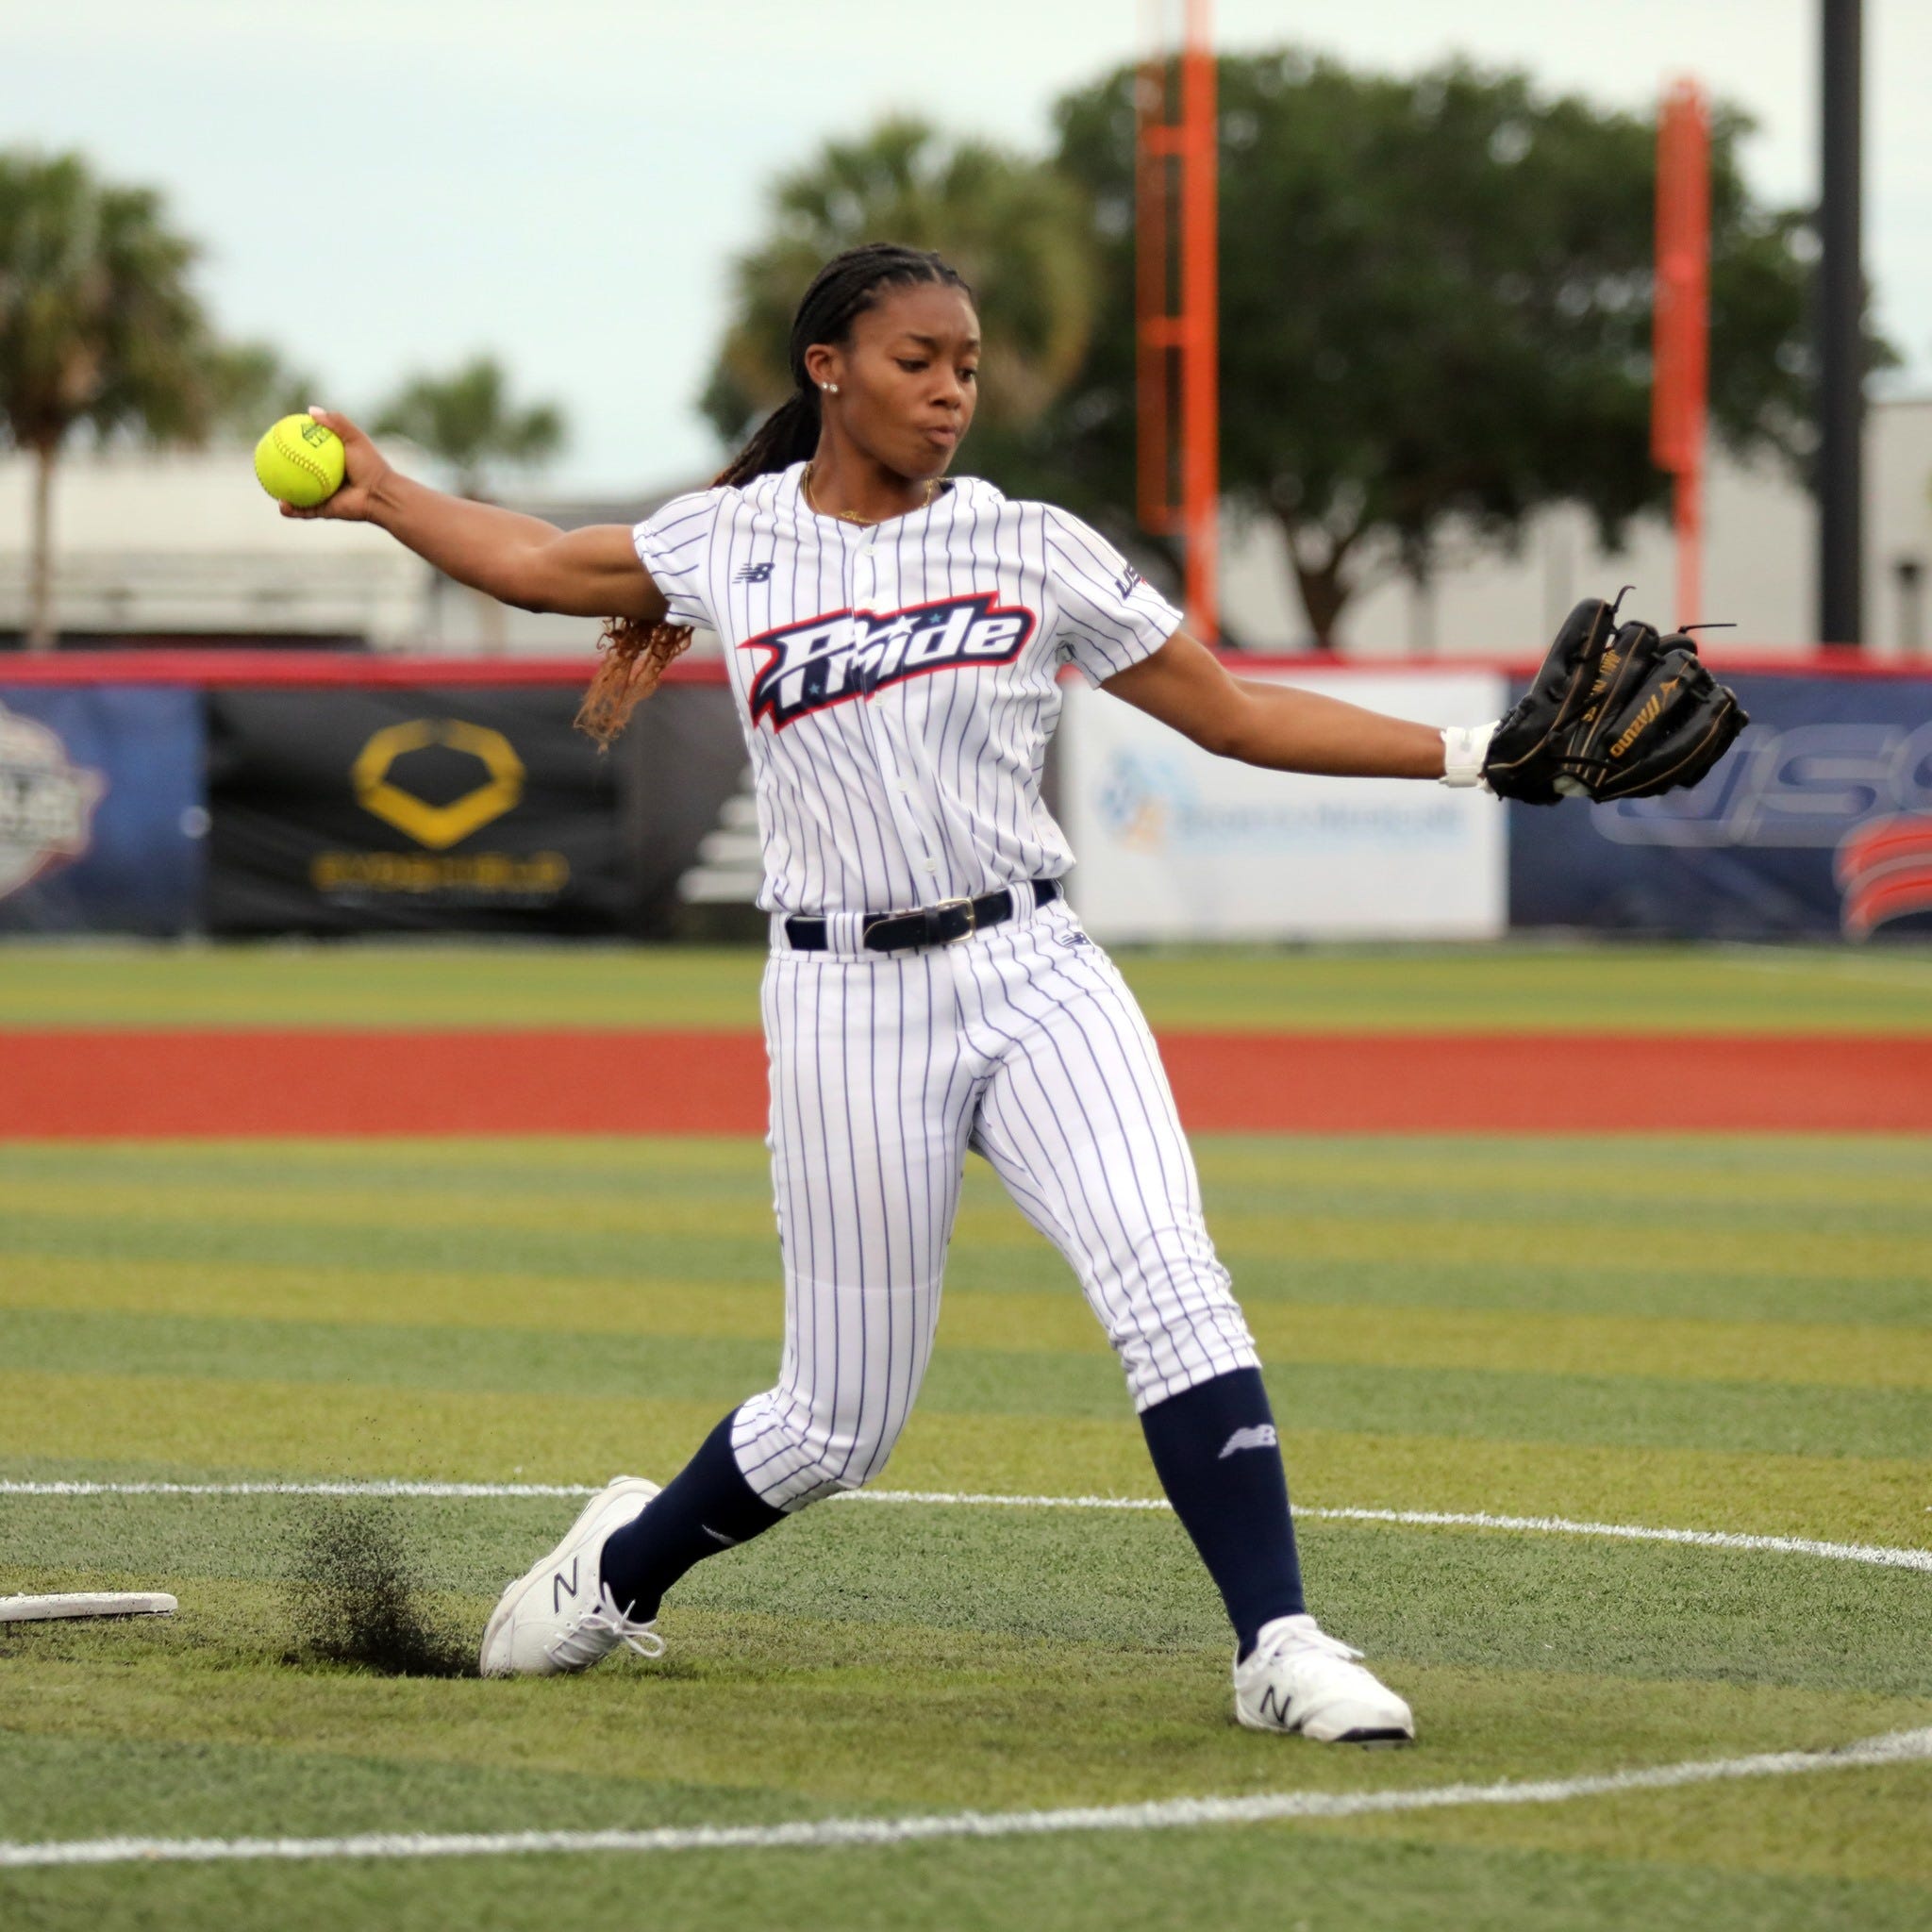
896, 682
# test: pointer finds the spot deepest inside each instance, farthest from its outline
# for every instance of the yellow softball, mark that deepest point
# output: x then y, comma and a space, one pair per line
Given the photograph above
299, 461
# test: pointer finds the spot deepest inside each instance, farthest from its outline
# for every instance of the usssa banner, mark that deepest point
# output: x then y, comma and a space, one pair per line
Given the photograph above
1817, 822
100, 814
448, 809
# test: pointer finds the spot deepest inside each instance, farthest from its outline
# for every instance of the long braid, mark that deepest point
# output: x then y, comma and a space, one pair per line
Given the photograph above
635, 655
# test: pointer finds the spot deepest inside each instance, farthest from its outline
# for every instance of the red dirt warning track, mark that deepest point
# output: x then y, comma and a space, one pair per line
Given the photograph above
98, 1084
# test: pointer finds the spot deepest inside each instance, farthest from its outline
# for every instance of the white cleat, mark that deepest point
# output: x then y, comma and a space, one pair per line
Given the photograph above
1299, 1678
557, 1615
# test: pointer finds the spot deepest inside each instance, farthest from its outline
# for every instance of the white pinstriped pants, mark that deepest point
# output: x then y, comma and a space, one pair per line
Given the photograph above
1024, 1045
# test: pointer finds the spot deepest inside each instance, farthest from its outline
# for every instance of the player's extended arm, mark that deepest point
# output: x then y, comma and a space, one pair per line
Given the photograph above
517, 559
1185, 685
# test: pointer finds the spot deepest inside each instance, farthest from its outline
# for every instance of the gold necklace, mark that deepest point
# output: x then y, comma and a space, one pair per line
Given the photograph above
847, 516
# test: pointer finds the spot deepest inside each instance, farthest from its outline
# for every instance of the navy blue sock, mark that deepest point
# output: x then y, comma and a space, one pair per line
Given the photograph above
1215, 1451
708, 1507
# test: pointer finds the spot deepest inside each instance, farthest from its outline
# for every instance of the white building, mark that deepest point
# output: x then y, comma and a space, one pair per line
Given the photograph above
185, 546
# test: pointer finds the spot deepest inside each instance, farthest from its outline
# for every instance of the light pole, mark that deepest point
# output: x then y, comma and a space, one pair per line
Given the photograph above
1840, 478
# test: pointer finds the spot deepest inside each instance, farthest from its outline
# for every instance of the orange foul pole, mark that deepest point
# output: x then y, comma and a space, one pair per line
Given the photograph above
1176, 303
1681, 338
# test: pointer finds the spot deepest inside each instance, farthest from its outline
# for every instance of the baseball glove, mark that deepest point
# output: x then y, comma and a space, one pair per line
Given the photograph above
1616, 711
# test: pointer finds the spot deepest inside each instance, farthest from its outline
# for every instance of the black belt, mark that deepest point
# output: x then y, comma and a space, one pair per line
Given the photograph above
931, 926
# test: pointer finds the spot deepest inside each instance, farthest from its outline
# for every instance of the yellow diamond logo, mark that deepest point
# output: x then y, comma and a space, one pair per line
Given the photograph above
437, 827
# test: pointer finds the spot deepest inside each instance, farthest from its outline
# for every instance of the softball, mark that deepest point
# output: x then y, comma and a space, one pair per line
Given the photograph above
300, 462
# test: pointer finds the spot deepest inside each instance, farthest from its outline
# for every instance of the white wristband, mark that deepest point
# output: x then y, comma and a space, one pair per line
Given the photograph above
1464, 748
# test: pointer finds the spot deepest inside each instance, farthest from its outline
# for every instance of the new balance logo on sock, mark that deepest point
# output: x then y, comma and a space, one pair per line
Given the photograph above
1261, 1436
718, 1537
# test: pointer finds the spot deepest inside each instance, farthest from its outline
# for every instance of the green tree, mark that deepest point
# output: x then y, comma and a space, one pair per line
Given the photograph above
468, 420
250, 386
1435, 311
1014, 229
98, 328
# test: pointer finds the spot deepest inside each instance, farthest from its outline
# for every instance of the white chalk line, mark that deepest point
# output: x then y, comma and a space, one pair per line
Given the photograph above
1882, 1556
1895, 1747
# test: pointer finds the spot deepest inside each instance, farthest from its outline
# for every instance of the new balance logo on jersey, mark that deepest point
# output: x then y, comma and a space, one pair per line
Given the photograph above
851, 654
1261, 1437
752, 573
1127, 581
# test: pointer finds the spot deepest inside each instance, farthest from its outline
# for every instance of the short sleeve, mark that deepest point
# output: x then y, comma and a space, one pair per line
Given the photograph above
1108, 615
675, 545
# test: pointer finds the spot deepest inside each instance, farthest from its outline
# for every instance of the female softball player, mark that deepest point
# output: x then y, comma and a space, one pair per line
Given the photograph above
894, 639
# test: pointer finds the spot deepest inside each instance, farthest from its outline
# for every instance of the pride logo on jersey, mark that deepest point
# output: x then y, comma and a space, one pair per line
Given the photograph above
851, 654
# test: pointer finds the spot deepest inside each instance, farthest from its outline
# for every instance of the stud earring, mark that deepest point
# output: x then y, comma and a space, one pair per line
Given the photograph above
831, 389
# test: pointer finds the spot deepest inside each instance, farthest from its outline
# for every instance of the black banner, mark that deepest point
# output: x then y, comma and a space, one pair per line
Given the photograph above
453, 809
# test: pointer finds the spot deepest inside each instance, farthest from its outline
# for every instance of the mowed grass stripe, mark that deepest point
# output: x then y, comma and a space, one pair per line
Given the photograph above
1537, 1286
1497, 1405
1493, 1597
1408, 989
868, 1752
169, 1785
417, 1214
1233, 1875
1679, 1181
1056, 1319
786, 1695
354, 1429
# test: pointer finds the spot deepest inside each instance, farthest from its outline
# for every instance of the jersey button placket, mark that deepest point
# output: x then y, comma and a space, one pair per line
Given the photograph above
881, 713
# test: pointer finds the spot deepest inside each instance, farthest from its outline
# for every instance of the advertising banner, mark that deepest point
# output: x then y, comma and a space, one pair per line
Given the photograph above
1173, 843
446, 809
102, 818
1818, 823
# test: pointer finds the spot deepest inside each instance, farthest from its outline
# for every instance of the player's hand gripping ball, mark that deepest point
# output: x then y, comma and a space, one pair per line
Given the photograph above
300, 462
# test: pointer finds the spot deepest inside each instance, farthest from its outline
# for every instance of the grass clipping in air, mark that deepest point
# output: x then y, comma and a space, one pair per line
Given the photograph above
357, 1597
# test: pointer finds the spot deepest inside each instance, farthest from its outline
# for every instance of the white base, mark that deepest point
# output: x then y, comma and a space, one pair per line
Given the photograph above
88, 1603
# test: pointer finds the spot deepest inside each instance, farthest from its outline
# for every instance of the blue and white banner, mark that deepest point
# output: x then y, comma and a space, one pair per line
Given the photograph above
102, 809
1817, 822
1173, 843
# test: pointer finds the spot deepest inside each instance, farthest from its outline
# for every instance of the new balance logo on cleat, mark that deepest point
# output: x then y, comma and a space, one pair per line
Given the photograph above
1261, 1436
562, 1586
1272, 1704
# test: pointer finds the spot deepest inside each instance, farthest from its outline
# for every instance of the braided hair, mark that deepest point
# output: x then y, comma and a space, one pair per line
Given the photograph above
635, 655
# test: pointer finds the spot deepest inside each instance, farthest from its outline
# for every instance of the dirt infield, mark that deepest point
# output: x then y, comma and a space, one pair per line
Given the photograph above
99, 1085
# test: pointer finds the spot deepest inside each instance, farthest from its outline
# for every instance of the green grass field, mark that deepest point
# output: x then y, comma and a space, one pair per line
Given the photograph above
1721, 1334
1527, 987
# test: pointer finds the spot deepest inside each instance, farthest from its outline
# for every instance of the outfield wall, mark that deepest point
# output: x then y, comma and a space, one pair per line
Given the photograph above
256, 793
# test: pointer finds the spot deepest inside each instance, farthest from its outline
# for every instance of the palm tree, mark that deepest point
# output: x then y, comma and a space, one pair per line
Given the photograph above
1016, 230
98, 326
250, 386
467, 419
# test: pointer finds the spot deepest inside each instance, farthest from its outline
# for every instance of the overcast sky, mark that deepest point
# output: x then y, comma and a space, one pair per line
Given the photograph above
389, 184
